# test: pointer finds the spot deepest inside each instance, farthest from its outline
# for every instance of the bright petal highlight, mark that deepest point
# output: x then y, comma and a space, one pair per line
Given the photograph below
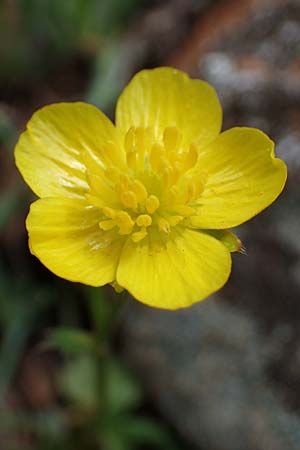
166, 97
64, 234
49, 153
145, 205
244, 177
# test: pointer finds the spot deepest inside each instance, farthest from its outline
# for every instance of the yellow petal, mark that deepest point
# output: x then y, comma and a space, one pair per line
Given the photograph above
243, 178
48, 153
64, 234
188, 267
166, 97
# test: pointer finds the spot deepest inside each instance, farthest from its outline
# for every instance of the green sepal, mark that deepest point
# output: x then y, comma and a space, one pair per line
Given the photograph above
229, 239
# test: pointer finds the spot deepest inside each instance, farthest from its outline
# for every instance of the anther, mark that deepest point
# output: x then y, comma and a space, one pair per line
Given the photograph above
131, 159
107, 225
175, 220
125, 181
124, 222
129, 142
152, 204
139, 235
191, 157
143, 220
128, 198
156, 154
112, 174
163, 225
139, 190
171, 139
140, 142
110, 152
109, 212
173, 194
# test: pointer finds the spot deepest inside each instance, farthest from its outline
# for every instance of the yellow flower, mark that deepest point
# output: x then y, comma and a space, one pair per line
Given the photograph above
145, 204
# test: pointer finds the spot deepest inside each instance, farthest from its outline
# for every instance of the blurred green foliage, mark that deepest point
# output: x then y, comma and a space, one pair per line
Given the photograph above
35, 34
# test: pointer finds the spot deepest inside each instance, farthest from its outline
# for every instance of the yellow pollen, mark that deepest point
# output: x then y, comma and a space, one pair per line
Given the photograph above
140, 143
139, 235
152, 204
144, 220
191, 157
131, 159
165, 169
171, 139
124, 222
124, 181
107, 224
129, 142
175, 220
170, 176
109, 212
173, 194
128, 198
156, 155
110, 149
139, 190
163, 225
112, 174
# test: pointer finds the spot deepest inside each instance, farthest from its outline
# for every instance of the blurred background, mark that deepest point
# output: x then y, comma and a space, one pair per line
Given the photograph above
76, 370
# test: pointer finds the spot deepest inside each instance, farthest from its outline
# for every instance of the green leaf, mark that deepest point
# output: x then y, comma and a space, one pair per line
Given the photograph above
70, 340
134, 432
122, 391
79, 382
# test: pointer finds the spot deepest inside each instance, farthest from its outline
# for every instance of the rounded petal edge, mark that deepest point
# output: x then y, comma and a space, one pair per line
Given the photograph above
49, 153
244, 177
165, 96
184, 270
65, 236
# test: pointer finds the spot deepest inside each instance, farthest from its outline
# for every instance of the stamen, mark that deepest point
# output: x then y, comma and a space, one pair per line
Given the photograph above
131, 159
171, 139
112, 174
170, 176
125, 181
110, 152
140, 142
107, 225
144, 220
129, 141
128, 198
173, 195
175, 220
124, 222
139, 235
152, 204
139, 190
109, 212
163, 225
191, 157
156, 154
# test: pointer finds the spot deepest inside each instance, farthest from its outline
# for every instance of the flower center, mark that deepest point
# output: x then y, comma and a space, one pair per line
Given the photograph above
159, 188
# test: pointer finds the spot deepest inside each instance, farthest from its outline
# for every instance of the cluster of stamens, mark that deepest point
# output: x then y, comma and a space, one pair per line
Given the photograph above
159, 187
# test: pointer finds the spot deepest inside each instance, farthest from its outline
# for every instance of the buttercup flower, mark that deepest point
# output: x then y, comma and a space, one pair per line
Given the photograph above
145, 204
